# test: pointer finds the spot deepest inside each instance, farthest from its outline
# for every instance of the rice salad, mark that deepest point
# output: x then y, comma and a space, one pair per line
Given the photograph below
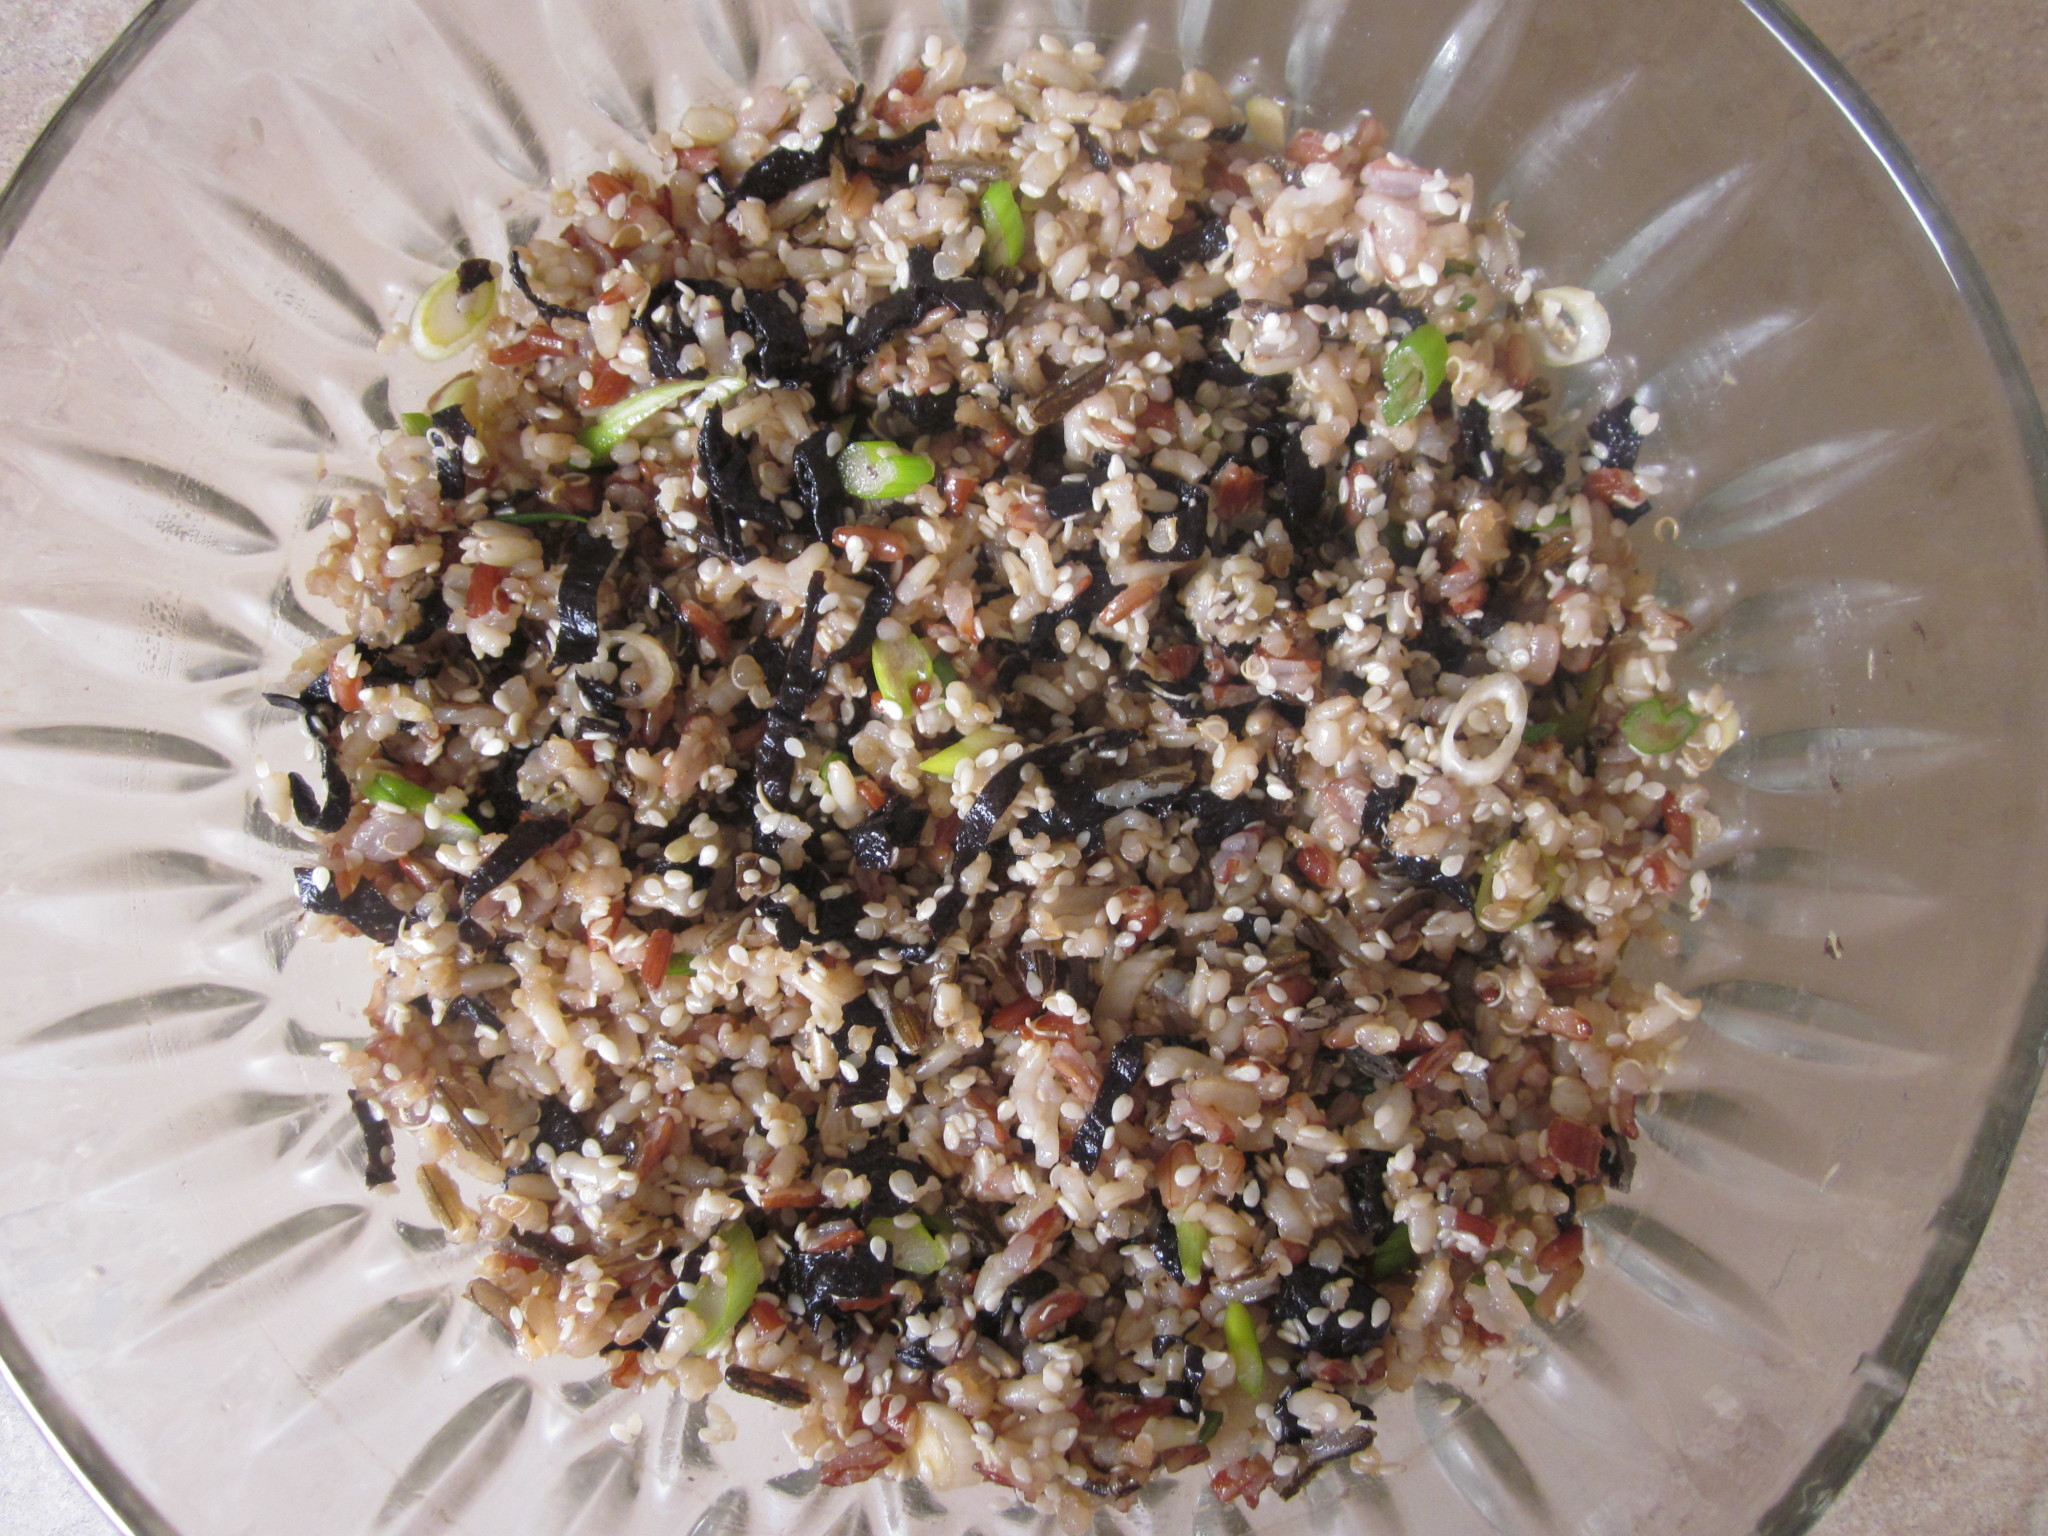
999, 760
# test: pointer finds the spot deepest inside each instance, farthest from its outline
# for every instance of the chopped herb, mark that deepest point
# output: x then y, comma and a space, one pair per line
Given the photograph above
682, 965
1459, 268
1657, 726
1414, 372
941, 764
1241, 1333
614, 423
1212, 1421
1002, 223
721, 1302
1469, 302
1393, 1255
879, 471
530, 519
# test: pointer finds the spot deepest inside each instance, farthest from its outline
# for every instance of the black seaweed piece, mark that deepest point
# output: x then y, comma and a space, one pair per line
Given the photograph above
314, 816
1092, 148
602, 714
781, 171
925, 291
1166, 1247
1306, 1291
801, 680
819, 490
1076, 811
869, 1084
878, 1162
498, 805
1430, 875
926, 413
729, 475
838, 916
916, 1355
433, 617
1118, 1078
1201, 243
548, 311
1374, 1067
576, 630
779, 1390
1230, 133
978, 825
509, 857
820, 1281
1041, 641
1548, 474
1632, 515
471, 275
1216, 818
1219, 368
884, 837
1048, 461
889, 161
789, 933
1326, 1449
1070, 497
873, 609
366, 907
379, 1165
781, 349
1184, 699
1438, 638
1190, 516
1616, 434
1617, 1161
477, 1013
666, 331
1476, 456
449, 431
1365, 1185
1306, 488
560, 1127
1208, 317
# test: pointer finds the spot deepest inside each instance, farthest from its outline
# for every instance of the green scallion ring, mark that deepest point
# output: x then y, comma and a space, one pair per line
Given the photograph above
1414, 372
1657, 726
1002, 225
877, 471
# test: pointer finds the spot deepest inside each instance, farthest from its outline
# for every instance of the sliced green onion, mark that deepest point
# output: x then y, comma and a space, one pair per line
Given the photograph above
1542, 730
460, 390
1211, 1422
391, 789
1414, 372
722, 1302
682, 965
415, 423
454, 310
615, 422
876, 471
1242, 1335
944, 673
900, 665
1657, 726
942, 763
912, 1247
1528, 1296
1576, 724
1193, 1238
1002, 224
1468, 303
460, 825
1394, 1254
1457, 268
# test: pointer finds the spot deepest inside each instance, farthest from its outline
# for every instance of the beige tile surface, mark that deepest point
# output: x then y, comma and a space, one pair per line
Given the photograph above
1966, 84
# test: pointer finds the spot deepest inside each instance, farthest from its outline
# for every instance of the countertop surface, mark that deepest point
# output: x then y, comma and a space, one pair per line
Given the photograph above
1965, 82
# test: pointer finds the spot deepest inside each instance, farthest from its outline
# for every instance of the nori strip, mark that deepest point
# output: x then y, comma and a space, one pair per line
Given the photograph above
1380, 803
877, 1162
1302, 1295
926, 413
889, 161
312, 815
978, 825
1092, 148
1190, 517
477, 1013
1306, 489
1616, 434
779, 1390
924, 292
450, 430
781, 171
1230, 133
560, 1127
873, 609
1382, 298
1202, 243
822, 1280
1365, 1182
368, 908
1430, 875
1476, 456
1208, 318
504, 861
819, 490
1166, 1248
729, 482
1118, 1079
379, 1165
661, 322
781, 349
548, 311
1041, 641
1548, 474
801, 680
888, 833
1217, 818
576, 633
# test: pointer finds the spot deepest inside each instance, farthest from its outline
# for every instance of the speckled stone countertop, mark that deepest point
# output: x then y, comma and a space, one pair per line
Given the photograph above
1965, 82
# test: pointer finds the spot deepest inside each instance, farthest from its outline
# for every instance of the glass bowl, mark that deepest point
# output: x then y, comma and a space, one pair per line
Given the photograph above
227, 1335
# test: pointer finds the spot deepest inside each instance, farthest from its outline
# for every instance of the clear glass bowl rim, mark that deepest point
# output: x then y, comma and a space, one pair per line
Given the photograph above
1889, 1367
